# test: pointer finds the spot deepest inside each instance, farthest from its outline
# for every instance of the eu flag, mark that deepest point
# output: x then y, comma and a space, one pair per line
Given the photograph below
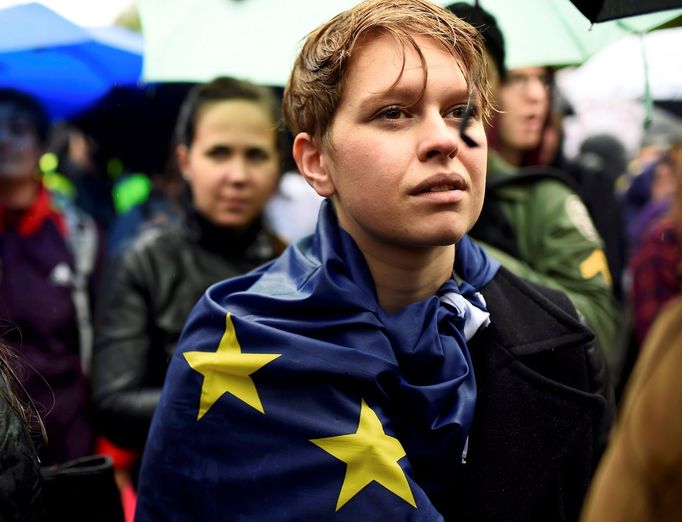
294, 396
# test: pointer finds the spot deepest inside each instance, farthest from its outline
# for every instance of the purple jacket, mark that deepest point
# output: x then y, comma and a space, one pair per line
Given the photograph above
39, 322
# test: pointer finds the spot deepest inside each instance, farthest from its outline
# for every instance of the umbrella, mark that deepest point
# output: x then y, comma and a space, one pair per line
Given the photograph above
554, 32
258, 39
65, 65
603, 10
618, 89
252, 39
621, 70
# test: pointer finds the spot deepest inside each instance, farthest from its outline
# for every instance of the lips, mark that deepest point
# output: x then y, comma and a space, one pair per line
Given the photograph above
440, 183
532, 121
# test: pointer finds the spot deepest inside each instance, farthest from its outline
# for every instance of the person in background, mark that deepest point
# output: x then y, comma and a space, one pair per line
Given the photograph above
533, 221
50, 254
384, 368
227, 154
73, 166
656, 265
600, 164
654, 188
640, 476
20, 482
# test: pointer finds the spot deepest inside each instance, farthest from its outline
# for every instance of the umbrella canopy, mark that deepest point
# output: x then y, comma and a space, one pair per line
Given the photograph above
603, 10
621, 70
253, 39
258, 39
554, 32
65, 65
613, 91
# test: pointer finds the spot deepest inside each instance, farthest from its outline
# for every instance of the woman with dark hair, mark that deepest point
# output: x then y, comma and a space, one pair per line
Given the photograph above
533, 221
20, 482
50, 253
227, 153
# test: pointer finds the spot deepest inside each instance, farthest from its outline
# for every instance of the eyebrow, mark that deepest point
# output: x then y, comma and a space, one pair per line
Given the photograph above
404, 91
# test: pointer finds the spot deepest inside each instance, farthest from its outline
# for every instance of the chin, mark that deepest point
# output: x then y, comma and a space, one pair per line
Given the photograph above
439, 238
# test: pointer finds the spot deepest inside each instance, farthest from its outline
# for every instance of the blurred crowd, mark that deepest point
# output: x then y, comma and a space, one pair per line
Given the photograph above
100, 265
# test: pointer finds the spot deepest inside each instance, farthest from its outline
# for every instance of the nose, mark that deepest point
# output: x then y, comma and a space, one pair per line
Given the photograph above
237, 171
439, 138
536, 89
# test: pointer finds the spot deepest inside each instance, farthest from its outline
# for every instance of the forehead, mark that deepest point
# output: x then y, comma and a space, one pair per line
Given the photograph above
381, 64
237, 117
11, 110
528, 71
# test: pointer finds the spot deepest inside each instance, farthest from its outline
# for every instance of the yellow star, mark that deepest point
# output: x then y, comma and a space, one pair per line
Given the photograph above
228, 370
370, 455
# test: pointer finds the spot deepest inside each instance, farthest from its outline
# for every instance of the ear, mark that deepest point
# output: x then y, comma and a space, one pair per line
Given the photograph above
308, 156
182, 155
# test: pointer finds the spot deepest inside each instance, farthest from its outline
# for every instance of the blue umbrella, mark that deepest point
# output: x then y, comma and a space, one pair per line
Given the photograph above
66, 66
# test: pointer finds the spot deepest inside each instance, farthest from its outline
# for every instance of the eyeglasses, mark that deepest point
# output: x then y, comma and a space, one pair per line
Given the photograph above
521, 81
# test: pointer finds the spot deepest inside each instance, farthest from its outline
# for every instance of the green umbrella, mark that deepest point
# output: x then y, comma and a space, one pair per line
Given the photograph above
258, 39
255, 40
555, 32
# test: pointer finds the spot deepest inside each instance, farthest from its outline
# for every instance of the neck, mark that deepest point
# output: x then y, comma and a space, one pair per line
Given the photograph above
17, 193
221, 240
403, 277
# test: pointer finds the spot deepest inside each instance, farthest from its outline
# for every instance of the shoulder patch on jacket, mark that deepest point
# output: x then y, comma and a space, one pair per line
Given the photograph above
580, 217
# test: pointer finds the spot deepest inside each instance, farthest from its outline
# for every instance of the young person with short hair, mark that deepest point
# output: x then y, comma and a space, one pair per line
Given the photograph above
384, 368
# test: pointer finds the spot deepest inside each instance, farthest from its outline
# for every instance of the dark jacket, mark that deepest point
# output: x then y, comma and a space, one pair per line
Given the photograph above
37, 283
534, 224
532, 448
147, 295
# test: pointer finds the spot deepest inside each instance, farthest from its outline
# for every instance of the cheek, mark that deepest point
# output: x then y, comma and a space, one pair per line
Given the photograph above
267, 178
201, 180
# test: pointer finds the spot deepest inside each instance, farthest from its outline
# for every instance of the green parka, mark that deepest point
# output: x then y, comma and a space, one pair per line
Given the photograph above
535, 224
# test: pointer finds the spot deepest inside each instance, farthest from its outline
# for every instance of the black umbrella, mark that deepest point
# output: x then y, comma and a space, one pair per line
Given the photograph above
603, 10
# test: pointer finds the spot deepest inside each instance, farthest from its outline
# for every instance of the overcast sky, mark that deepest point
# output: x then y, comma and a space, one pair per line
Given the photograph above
82, 12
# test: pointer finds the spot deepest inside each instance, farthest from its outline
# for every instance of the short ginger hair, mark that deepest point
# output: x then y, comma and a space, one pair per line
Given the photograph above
318, 78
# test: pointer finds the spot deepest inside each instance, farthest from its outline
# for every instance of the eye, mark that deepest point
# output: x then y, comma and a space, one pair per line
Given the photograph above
467, 114
219, 153
391, 113
257, 155
470, 112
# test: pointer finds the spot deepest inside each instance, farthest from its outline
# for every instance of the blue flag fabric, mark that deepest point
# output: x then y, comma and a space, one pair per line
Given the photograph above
294, 396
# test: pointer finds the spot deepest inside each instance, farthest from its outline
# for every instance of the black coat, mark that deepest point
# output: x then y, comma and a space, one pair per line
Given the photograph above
532, 449
147, 295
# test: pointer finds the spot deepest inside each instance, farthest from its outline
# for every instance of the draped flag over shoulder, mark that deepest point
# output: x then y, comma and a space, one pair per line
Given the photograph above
294, 396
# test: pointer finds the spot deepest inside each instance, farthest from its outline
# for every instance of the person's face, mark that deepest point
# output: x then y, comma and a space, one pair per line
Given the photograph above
524, 102
664, 182
20, 148
232, 166
399, 173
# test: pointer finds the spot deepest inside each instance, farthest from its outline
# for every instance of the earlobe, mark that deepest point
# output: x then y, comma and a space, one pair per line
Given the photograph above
308, 157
